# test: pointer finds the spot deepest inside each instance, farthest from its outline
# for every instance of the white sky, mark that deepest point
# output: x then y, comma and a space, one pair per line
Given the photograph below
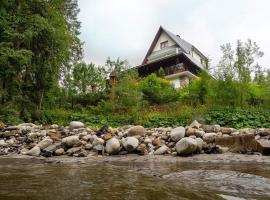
126, 28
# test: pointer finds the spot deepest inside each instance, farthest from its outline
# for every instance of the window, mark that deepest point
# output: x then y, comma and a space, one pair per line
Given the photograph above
163, 44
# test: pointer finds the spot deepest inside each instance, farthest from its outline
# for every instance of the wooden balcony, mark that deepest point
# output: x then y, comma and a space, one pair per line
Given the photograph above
174, 69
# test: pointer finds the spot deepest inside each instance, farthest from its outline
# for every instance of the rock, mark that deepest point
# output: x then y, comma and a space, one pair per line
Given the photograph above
27, 124
190, 131
211, 128
76, 125
45, 143
87, 137
32, 135
142, 149
107, 136
82, 154
238, 143
228, 131
55, 136
3, 143
195, 124
186, 146
222, 149
177, 133
98, 141
244, 131
59, 152
48, 151
263, 146
161, 150
199, 144
263, 131
136, 130
235, 133
99, 148
70, 141
209, 137
157, 142
2, 125
88, 146
73, 150
35, 151
8, 134
147, 140
112, 146
130, 143
199, 133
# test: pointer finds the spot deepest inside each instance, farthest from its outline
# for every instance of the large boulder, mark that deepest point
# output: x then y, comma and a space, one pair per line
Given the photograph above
48, 151
112, 146
263, 146
177, 134
136, 130
45, 143
199, 144
161, 150
70, 141
130, 143
209, 137
76, 124
186, 146
35, 151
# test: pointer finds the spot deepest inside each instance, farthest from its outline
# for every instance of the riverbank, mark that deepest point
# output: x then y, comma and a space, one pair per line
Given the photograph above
197, 140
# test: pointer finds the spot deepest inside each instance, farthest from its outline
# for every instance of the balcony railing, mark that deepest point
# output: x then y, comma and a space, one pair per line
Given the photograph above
174, 69
169, 51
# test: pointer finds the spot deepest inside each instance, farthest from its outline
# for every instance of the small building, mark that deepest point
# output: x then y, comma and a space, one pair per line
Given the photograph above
180, 60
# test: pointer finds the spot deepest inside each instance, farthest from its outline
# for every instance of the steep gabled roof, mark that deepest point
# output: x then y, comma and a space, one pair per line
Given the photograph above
184, 45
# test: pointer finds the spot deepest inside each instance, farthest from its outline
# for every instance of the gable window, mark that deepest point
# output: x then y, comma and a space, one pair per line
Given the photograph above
164, 44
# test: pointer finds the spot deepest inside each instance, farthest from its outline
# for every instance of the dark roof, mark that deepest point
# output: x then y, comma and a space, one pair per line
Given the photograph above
183, 44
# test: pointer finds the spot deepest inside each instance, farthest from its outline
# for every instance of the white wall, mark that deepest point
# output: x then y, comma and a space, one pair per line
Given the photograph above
162, 38
197, 56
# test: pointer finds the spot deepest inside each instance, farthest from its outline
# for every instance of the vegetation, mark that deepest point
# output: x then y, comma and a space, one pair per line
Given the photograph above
44, 80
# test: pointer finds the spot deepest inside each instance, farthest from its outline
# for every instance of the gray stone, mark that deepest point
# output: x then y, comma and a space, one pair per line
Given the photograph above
70, 141
76, 124
263, 146
73, 150
186, 146
209, 137
98, 141
161, 150
177, 134
195, 124
130, 143
112, 146
59, 152
199, 144
211, 128
136, 130
88, 146
45, 143
35, 151
3, 143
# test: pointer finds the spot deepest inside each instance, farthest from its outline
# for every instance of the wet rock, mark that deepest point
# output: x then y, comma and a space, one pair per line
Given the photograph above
48, 151
70, 141
76, 125
195, 124
130, 143
136, 130
186, 146
161, 150
82, 154
209, 137
263, 146
73, 150
211, 128
98, 141
59, 152
177, 133
112, 146
45, 143
35, 151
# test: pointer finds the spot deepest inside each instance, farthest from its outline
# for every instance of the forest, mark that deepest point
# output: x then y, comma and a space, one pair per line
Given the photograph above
43, 78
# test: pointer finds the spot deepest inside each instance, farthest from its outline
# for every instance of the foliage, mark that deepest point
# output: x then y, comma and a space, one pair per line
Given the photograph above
157, 90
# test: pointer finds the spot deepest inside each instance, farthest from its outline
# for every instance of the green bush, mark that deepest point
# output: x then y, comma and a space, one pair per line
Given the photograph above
157, 90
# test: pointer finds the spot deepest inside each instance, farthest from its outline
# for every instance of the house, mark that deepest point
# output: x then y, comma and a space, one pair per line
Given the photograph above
180, 60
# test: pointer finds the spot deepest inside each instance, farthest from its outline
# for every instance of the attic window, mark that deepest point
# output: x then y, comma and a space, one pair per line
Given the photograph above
164, 44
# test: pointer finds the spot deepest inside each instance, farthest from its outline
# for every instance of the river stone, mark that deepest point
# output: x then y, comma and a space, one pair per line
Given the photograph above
209, 137
263, 146
211, 128
76, 125
177, 134
112, 146
186, 146
73, 150
45, 143
161, 150
59, 152
88, 146
142, 149
70, 141
136, 130
130, 143
3, 143
199, 144
35, 151
195, 124
98, 141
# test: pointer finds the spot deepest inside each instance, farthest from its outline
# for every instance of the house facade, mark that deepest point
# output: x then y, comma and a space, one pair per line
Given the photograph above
180, 60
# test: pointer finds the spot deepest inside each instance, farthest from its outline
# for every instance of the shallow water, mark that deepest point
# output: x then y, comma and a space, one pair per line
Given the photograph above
26, 179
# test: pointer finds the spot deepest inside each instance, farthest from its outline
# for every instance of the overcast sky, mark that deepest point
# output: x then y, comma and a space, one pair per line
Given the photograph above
126, 28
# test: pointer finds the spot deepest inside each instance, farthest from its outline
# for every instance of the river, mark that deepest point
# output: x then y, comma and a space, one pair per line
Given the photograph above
30, 179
